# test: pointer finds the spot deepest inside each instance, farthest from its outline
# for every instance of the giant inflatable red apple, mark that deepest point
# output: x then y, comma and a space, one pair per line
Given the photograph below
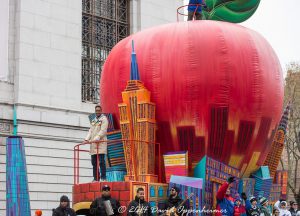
217, 86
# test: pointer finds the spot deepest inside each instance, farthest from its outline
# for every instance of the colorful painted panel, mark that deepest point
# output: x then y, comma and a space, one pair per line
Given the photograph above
187, 181
246, 185
115, 150
214, 174
157, 195
17, 196
275, 193
115, 174
263, 182
281, 178
176, 163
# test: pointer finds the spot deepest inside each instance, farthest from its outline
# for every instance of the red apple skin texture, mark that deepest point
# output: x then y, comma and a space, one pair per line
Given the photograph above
217, 86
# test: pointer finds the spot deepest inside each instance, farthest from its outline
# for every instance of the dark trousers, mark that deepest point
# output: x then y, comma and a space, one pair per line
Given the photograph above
198, 16
102, 165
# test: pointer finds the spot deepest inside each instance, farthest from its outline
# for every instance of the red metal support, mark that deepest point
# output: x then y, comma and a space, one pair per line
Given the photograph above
77, 151
97, 175
75, 170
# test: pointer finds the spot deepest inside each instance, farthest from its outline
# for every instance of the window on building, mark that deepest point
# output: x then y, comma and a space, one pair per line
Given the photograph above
104, 23
160, 192
152, 191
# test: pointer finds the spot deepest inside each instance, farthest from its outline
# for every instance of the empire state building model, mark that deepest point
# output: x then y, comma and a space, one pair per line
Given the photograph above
138, 127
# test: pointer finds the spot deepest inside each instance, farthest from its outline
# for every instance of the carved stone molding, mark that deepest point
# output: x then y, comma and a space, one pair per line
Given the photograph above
5, 127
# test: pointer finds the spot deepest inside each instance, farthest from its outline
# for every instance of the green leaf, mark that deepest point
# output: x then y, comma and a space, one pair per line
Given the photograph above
235, 11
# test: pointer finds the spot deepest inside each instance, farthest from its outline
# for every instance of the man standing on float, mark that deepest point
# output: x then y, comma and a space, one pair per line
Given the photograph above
98, 151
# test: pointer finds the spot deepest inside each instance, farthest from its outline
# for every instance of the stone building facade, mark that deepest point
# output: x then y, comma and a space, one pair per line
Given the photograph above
43, 80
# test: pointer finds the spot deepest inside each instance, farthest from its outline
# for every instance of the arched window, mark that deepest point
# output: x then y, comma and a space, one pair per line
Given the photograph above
160, 192
152, 191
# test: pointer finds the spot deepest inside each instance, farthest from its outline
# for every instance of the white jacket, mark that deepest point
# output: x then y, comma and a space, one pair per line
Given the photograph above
282, 212
98, 131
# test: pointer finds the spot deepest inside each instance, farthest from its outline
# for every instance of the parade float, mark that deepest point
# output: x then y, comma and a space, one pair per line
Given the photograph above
193, 100
191, 104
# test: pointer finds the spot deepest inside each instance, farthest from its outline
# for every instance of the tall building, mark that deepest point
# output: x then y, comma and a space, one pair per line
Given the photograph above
51, 57
274, 155
137, 121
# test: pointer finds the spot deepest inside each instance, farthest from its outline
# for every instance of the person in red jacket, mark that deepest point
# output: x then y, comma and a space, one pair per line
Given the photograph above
239, 209
225, 202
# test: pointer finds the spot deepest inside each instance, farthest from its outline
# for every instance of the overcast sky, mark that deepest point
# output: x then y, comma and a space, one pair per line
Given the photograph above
279, 22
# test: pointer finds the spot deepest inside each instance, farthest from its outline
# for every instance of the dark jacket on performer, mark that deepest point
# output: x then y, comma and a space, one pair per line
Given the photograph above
294, 212
254, 211
63, 211
97, 207
175, 202
135, 205
59, 211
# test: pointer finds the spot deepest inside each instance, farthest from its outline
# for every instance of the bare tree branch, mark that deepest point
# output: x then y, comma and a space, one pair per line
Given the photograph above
281, 162
292, 138
292, 189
